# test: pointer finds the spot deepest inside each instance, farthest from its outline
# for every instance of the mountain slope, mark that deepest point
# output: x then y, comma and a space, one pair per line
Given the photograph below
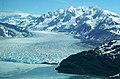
8, 30
102, 61
86, 23
18, 19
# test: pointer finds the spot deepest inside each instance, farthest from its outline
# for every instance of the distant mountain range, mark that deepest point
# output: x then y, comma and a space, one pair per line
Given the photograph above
8, 30
86, 23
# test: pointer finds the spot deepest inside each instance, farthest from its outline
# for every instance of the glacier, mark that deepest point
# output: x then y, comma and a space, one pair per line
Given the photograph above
43, 47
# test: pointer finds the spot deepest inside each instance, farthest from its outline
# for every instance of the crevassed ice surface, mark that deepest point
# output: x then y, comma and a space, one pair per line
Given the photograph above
42, 47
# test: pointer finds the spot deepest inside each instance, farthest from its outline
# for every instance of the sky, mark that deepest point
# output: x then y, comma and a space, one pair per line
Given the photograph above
44, 6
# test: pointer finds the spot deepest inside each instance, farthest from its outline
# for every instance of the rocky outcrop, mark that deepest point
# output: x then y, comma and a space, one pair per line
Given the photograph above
102, 61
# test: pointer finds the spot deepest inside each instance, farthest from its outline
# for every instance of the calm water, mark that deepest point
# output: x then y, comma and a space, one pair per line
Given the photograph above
43, 47
50, 73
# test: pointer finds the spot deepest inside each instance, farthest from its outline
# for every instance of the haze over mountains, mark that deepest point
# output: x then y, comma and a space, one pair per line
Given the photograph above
87, 23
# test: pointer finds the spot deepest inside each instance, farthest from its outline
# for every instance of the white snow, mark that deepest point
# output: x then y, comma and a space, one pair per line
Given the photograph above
77, 11
91, 23
71, 9
110, 13
105, 46
117, 75
116, 19
115, 32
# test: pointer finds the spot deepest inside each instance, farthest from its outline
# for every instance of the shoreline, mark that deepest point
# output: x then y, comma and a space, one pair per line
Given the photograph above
9, 69
13, 70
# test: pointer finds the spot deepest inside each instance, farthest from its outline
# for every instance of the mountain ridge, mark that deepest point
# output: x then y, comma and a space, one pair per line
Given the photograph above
86, 23
9, 30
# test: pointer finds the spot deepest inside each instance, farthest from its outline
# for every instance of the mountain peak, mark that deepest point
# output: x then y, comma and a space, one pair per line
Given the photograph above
87, 23
71, 9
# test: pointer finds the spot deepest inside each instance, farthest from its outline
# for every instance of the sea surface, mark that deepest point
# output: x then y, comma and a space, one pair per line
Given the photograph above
42, 47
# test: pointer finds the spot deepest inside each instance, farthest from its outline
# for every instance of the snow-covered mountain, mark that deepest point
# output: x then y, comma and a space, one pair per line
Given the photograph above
87, 23
15, 24
9, 30
18, 19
